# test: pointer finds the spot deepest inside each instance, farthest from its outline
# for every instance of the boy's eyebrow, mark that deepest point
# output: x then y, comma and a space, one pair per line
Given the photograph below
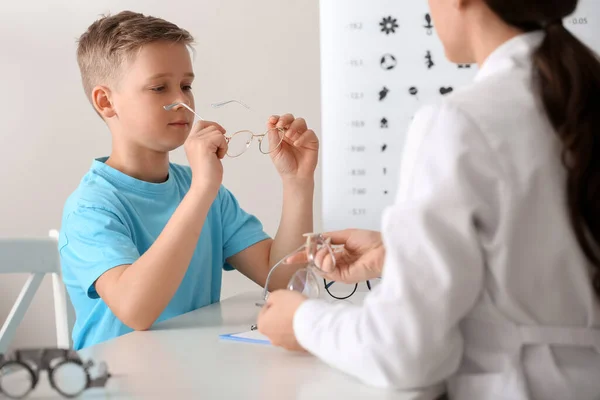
168, 74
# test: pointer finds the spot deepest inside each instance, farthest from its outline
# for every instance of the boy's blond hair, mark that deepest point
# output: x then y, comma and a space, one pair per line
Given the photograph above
113, 39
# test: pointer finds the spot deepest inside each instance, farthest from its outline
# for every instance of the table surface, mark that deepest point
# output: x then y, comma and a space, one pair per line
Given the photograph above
184, 358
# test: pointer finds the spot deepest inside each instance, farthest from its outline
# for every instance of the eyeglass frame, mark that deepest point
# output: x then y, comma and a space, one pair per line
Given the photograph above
42, 359
281, 131
311, 247
328, 285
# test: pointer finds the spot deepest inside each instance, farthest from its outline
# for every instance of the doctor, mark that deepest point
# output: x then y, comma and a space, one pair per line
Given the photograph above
491, 267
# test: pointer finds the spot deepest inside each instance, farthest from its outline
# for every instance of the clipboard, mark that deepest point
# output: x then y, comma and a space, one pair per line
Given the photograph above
254, 337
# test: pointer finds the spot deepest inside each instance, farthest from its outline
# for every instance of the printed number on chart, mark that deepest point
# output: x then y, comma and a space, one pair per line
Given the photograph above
578, 21
359, 211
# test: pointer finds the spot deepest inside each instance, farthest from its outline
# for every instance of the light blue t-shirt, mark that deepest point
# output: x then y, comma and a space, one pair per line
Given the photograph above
112, 219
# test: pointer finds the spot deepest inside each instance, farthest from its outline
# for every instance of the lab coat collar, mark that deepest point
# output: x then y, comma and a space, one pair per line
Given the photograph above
515, 50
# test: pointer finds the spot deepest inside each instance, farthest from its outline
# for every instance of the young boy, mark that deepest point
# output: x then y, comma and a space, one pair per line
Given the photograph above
143, 240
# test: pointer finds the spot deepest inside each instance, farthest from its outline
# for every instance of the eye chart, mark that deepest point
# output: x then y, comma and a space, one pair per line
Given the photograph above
381, 60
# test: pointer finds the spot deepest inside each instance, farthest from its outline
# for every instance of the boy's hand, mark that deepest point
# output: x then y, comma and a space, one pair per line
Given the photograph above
205, 147
299, 151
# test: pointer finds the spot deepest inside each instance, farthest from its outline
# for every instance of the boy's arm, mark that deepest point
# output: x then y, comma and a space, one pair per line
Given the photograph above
256, 261
296, 160
138, 293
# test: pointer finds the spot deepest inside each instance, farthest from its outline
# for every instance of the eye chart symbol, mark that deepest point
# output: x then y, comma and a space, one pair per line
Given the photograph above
389, 25
383, 93
429, 25
413, 91
429, 60
388, 62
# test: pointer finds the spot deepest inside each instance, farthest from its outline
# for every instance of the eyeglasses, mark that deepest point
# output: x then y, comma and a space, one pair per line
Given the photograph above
305, 279
319, 253
240, 141
67, 373
342, 291
316, 255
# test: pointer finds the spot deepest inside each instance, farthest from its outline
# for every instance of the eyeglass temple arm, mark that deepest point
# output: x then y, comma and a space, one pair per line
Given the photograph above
194, 112
173, 105
224, 103
279, 263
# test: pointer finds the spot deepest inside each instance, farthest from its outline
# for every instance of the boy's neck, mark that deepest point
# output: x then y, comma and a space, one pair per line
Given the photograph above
145, 165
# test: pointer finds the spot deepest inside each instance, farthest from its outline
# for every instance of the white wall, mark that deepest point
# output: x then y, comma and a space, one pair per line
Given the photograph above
264, 52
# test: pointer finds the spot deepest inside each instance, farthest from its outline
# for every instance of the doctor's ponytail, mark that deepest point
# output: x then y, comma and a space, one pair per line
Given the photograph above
568, 78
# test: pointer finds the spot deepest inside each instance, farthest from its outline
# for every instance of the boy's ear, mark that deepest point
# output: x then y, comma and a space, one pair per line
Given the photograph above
102, 101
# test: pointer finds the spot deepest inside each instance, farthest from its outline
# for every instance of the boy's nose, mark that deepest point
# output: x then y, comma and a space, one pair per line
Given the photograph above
173, 106
177, 106
182, 103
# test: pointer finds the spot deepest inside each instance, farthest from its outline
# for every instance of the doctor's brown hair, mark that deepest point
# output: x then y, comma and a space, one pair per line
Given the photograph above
568, 79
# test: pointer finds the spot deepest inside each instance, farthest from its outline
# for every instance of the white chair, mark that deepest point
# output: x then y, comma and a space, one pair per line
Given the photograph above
37, 257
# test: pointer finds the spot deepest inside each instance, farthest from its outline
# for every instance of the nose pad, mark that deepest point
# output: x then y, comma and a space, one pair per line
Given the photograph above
179, 105
173, 106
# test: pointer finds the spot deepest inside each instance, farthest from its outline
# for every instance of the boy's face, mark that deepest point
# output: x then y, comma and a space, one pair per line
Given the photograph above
161, 73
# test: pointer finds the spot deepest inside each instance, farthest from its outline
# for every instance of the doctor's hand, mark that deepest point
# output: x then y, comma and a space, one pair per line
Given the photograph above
276, 319
358, 258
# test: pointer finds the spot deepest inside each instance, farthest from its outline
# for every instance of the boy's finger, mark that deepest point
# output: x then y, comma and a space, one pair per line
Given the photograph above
285, 121
308, 140
201, 125
223, 147
296, 130
273, 119
298, 125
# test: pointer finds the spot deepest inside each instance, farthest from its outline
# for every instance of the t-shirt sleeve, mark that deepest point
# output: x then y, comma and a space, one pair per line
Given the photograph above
94, 241
240, 229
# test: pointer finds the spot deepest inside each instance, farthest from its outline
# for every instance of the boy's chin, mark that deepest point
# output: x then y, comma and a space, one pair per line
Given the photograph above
166, 147
172, 147
170, 143
162, 142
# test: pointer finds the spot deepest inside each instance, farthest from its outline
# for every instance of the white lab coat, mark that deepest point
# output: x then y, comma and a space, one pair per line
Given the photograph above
484, 284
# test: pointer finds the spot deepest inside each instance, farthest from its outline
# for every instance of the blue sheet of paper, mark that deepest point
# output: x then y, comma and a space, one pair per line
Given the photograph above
247, 337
